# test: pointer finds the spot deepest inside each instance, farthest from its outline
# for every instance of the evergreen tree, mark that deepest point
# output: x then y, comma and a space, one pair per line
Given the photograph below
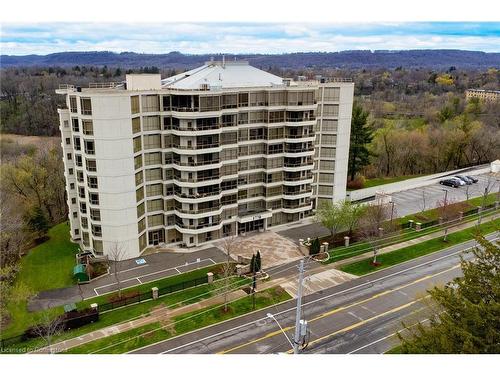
258, 262
361, 136
37, 221
467, 318
252, 264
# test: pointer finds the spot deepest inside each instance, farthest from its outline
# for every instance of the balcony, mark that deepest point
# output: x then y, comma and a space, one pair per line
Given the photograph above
197, 179
196, 163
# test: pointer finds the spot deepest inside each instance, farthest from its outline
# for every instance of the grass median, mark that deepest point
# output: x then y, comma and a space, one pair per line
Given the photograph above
392, 258
155, 332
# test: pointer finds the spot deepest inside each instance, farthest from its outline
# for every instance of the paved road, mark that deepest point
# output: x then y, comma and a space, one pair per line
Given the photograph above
340, 317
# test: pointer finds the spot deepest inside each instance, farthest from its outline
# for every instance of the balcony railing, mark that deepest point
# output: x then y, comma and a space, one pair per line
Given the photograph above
198, 210
196, 163
197, 179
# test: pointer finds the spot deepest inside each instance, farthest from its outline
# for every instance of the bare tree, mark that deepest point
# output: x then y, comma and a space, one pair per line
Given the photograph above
116, 254
375, 226
423, 202
48, 327
228, 246
448, 210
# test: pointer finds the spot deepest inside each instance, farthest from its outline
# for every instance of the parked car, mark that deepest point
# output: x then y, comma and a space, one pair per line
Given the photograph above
460, 182
474, 179
450, 182
464, 179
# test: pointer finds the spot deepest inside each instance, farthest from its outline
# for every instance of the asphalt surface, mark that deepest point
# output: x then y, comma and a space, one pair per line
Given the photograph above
355, 316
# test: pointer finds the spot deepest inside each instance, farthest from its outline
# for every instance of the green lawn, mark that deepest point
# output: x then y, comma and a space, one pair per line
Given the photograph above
149, 334
398, 256
387, 180
47, 266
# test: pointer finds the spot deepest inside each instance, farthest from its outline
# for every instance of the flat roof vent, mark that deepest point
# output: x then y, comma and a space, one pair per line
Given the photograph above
287, 81
204, 87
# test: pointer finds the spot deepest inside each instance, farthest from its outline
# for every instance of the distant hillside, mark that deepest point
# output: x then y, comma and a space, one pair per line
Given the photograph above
435, 59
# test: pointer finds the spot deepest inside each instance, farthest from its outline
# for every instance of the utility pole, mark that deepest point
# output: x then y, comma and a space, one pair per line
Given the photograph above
296, 339
445, 212
254, 287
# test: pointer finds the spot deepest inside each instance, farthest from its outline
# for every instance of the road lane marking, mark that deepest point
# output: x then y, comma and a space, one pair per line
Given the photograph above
338, 309
386, 337
356, 325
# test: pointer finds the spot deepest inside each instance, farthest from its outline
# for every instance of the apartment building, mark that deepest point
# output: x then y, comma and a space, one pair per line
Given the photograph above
220, 150
486, 95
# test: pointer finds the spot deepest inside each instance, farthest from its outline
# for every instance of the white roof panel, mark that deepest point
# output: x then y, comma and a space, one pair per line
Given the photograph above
223, 75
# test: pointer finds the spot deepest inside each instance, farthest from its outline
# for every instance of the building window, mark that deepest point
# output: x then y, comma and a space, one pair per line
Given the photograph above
75, 214
150, 123
89, 147
155, 220
155, 205
81, 192
77, 232
92, 182
139, 194
72, 104
150, 103
83, 207
78, 160
97, 244
152, 158
66, 123
91, 165
88, 127
79, 176
85, 222
72, 186
139, 179
73, 200
152, 141
137, 144
153, 174
96, 230
95, 215
86, 106
69, 156
70, 171
134, 104
85, 239
141, 225
136, 125
75, 125
77, 143
68, 141
152, 190
331, 94
140, 210
138, 161
94, 198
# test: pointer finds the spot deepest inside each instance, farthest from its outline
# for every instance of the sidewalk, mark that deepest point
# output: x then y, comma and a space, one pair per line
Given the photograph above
317, 278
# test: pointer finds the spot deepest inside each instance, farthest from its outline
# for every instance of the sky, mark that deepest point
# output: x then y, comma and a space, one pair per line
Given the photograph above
245, 37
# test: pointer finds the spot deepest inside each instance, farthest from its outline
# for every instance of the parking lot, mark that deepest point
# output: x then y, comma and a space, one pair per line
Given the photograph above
424, 198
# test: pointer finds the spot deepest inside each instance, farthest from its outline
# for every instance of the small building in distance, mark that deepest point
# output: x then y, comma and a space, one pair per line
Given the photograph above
486, 95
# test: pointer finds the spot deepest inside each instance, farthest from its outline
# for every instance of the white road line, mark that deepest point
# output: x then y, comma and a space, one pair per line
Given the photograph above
177, 270
95, 291
213, 262
385, 337
140, 282
354, 315
367, 309
305, 304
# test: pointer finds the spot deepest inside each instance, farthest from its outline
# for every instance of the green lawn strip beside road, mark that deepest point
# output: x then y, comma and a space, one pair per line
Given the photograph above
371, 182
46, 266
341, 252
146, 287
410, 252
135, 311
130, 340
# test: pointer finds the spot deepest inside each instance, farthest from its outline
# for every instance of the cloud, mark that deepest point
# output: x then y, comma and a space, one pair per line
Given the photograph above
193, 38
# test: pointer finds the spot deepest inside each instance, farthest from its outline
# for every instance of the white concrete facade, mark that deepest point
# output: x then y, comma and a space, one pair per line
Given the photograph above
194, 158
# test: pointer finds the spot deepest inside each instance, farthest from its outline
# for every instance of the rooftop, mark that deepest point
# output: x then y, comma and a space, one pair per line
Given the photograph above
222, 74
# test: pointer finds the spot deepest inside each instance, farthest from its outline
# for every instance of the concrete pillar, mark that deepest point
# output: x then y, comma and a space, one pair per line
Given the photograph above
418, 226
325, 247
154, 292
210, 277
94, 306
239, 269
479, 209
497, 203
410, 223
460, 215
380, 231
346, 241
440, 220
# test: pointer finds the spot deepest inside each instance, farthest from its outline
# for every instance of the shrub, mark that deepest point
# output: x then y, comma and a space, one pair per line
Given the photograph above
357, 183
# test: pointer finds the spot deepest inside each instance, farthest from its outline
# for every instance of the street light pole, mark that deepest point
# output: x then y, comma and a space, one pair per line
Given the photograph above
298, 314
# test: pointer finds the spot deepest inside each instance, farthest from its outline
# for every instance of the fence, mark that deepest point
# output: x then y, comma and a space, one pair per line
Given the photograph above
141, 297
70, 320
